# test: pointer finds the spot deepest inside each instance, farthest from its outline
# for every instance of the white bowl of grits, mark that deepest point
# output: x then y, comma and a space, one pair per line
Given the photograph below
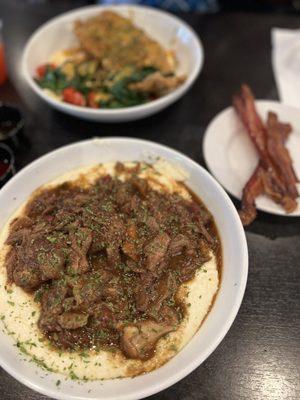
112, 64
94, 309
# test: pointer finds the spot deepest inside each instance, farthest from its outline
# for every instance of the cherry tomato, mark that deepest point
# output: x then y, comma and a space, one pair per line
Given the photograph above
71, 95
92, 100
42, 69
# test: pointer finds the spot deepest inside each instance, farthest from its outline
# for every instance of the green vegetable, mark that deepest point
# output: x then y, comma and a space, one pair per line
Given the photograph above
54, 80
89, 77
122, 95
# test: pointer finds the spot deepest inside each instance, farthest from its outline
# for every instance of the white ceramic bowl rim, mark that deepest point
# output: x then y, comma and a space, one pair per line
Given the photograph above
197, 359
124, 110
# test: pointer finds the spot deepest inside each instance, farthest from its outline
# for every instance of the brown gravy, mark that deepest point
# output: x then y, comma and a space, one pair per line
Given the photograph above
105, 261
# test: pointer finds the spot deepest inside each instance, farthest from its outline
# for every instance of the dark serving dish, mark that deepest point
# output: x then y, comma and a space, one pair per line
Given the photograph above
7, 164
11, 124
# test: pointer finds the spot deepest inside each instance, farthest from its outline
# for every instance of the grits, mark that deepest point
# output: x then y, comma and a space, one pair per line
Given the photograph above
19, 313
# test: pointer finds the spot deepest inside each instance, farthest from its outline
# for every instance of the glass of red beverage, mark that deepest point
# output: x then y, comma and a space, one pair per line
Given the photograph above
3, 71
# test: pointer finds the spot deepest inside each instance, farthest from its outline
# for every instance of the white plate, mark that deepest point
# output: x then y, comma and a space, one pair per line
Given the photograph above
224, 310
232, 158
170, 31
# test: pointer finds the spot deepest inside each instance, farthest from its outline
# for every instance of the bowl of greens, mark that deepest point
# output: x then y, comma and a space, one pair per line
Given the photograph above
112, 64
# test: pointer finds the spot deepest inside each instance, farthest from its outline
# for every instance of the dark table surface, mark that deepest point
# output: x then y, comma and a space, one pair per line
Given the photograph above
260, 356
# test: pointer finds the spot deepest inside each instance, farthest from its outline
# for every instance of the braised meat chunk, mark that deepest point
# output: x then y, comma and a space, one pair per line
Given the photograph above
156, 250
138, 341
105, 261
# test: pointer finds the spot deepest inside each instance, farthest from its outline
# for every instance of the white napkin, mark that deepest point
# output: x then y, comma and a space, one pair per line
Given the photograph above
286, 64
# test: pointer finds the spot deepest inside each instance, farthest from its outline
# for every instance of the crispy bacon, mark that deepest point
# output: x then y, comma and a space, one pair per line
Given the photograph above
285, 130
274, 175
244, 105
253, 188
280, 155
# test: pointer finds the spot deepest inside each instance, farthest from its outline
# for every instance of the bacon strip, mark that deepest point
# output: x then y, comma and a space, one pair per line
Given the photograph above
280, 155
285, 130
244, 105
274, 176
259, 183
254, 188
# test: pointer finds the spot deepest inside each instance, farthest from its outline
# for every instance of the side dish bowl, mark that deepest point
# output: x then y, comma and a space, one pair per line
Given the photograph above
168, 30
226, 305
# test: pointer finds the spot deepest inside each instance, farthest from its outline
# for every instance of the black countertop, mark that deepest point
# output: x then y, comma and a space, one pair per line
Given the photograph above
260, 356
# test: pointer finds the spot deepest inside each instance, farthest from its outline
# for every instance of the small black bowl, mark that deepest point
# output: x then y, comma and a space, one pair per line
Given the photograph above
7, 164
11, 124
